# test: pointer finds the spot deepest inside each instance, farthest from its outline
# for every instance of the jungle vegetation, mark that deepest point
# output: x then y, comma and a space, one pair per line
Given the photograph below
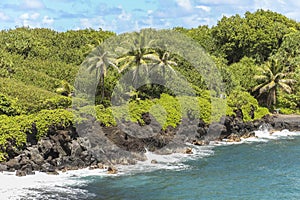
257, 56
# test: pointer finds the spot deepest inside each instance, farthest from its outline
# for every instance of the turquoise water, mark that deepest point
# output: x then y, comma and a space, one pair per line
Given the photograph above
264, 170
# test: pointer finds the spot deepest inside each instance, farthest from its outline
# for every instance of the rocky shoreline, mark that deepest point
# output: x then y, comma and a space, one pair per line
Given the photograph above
65, 149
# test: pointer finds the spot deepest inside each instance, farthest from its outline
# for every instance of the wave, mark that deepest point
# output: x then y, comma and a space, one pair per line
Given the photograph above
70, 183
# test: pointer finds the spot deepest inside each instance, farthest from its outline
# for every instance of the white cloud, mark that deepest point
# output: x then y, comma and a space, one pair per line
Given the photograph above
35, 16
26, 16
3, 16
205, 8
86, 23
220, 2
185, 4
33, 4
124, 16
47, 20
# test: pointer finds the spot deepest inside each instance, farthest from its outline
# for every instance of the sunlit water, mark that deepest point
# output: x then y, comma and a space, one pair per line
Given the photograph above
267, 167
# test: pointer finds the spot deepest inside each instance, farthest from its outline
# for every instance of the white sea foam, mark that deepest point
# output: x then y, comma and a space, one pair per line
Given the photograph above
32, 186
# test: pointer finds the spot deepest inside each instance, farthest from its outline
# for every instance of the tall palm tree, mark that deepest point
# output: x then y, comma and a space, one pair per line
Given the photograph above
162, 61
273, 77
138, 57
99, 61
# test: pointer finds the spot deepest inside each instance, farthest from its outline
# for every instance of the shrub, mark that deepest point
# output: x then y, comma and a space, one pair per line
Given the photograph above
247, 103
8, 106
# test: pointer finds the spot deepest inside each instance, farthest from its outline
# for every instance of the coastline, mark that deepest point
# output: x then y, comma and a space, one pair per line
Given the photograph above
105, 148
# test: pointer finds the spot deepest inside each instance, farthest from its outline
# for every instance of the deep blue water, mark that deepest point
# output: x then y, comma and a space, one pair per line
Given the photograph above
262, 170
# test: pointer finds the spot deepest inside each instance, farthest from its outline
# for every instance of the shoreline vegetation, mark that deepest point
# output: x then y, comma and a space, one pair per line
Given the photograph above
48, 124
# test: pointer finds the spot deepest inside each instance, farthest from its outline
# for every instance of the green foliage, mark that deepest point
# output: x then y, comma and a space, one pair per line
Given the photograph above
201, 34
103, 115
257, 35
8, 106
247, 103
13, 129
172, 109
289, 51
57, 102
274, 76
261, 112
31, 99
10, 132
243, 72
57, 118
35, 78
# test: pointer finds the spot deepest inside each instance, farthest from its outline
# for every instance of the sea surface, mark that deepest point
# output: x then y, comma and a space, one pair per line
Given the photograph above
267, 167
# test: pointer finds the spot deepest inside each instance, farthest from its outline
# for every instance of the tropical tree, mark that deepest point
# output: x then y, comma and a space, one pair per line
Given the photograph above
139, 55
273, 76
163, 61
98, 61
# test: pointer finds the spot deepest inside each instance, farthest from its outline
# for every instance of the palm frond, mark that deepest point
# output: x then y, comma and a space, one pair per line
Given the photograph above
285, 87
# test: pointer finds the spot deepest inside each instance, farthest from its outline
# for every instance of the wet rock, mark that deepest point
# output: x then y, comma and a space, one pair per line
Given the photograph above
154, 162
112, 170
189, 151
28, 169
3, 168
45, 146
20, 173
46, 167
248, 135
35, 155
76, 149
100, 166
215, 131
13, 164
53, 173
233, 138
200, 142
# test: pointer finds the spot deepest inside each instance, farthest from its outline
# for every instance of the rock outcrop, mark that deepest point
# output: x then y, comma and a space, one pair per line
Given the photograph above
94, 146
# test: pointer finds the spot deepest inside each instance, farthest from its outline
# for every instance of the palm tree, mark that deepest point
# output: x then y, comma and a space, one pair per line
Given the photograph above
138, 57
162, 61
273, 77
99, 60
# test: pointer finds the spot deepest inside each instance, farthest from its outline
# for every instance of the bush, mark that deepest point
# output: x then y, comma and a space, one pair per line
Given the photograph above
13, 129
8, 106
10, 133
30, 99
261, 112
247, 103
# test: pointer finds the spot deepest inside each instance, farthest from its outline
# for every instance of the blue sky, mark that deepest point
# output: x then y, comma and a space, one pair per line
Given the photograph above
130, 15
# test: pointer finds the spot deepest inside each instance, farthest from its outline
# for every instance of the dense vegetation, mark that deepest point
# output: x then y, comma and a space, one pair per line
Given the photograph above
257, 56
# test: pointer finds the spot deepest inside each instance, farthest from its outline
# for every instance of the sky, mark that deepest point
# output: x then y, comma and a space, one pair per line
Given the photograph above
122, 16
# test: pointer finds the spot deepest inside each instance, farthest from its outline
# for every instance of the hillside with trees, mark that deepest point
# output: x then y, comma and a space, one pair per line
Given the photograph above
257, 56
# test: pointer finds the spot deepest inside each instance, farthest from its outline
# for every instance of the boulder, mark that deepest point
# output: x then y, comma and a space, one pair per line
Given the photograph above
248, 135
76, 149
215, 131
112, 170
3, 168
200, 142
13, 164
46, 167
154, 162
233, 138
188, 151
35, 156
20, 173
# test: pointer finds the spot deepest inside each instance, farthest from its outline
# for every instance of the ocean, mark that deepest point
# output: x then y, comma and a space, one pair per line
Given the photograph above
266, 167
